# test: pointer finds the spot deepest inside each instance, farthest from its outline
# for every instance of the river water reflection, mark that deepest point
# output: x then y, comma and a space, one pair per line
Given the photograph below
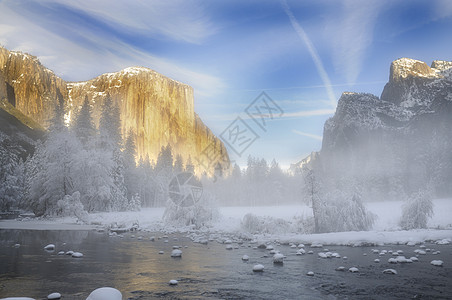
135, 267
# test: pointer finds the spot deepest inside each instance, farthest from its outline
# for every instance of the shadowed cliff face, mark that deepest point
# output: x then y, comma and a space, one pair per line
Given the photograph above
158, 109
399, 142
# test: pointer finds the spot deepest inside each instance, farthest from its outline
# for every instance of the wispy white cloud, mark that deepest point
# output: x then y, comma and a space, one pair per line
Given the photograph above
313, 52
351, 33
291, 115
74, 61
309, 135
177, 19
309, 113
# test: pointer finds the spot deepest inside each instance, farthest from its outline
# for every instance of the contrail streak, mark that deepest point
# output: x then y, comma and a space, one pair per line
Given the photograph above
317, 61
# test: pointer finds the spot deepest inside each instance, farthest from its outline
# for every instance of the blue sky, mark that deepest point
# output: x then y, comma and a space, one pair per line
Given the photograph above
303, 54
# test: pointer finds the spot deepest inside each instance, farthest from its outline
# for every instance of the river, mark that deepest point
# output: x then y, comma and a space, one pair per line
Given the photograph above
135, 267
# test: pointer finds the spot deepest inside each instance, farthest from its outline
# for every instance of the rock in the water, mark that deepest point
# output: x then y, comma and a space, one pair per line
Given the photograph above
229, 247
173, 282
61, 253
105, 293
278, 258
258, 268
161, 252
376, 260
77, 254
341, 269
438, 263
70, 252
301, 251
353, 270
245, 257
49, 247
389, 271
176, 253
310, 273
54, 296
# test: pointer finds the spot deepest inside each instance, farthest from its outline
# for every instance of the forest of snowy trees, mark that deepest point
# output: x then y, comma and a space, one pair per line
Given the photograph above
80, 169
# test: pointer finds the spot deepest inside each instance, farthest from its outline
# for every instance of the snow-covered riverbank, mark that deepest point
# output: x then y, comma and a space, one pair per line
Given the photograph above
385, 229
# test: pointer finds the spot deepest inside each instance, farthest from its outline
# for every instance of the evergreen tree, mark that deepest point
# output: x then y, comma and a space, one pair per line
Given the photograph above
189, 167
11, 176
83, 125
53, 168
312, 192
178, 164
131, 176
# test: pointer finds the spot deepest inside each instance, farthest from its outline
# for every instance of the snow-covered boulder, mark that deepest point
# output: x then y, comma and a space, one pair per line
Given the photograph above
152, 238
54, 296
401, 259
161, 252
269, 247
310, 252
49, 247
105, 293
438, 263
322, 255
229, 247
173, 282
301, 246
258, 268
77, 254
278, 258
341, 269
389, 271
245, 257
17, 246
301, 251
310, 273
443, 242
176, 253
420, 252
70, 252
376, 260
413, 259
392, 260
61, 253
353, 270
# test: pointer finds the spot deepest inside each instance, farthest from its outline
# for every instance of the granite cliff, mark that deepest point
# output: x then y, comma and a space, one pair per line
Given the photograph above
158, 109
397, 143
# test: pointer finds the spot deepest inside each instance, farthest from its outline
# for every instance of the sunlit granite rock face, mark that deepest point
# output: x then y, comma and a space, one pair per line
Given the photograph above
158, 109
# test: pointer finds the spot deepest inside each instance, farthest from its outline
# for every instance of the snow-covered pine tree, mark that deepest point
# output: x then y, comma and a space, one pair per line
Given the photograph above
189, 167
52, 174
312, 194
131, 176
417, 210
11, 176
110, 143
83, 125
178, 164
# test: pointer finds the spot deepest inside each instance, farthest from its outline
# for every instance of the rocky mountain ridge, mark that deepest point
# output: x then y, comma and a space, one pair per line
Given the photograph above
399, 142
158, 109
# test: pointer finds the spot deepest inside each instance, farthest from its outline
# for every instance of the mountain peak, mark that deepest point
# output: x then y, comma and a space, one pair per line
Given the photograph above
403, 68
